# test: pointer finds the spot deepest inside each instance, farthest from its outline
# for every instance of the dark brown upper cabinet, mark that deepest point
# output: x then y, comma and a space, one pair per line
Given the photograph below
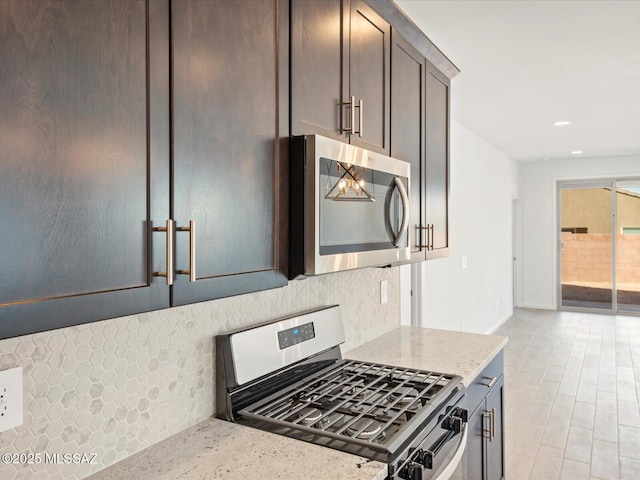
420, 136
230, 111
408, 67
84, 177
437, 162
90, 173
340, 72
419, 68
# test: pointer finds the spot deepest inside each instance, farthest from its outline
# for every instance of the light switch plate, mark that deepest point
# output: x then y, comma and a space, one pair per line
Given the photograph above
463, 263
10, 398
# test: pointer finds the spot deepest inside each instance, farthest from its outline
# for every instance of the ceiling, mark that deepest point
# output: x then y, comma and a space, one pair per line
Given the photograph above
527, 64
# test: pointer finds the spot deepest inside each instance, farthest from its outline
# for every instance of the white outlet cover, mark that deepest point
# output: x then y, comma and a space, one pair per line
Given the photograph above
11, 408
384, 292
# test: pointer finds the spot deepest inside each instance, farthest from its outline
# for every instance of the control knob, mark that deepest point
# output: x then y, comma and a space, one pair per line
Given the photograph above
413, 471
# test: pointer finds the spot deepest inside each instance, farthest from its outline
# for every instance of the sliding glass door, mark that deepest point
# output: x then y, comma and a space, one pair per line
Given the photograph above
586, 247
600, 245
628, 245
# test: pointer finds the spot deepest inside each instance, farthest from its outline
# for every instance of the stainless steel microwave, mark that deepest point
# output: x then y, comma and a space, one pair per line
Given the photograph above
349, 207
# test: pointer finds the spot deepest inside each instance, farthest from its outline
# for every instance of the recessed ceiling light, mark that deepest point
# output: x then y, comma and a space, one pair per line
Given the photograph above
561, 123
576, 152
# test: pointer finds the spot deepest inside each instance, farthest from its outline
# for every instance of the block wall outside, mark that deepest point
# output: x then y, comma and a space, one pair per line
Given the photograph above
588, 257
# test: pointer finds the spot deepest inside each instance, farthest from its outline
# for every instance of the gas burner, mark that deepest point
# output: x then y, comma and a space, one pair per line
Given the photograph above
406, 394
322, 389
314, 392
357, 390
309, 415
331, 420
370, 428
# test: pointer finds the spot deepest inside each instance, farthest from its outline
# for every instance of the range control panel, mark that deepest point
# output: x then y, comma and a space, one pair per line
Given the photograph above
295, 335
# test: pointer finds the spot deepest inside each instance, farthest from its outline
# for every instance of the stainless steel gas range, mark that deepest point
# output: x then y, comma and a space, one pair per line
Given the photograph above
288, 377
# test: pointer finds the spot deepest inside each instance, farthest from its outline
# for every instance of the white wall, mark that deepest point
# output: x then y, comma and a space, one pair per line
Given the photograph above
484, 182
539, 218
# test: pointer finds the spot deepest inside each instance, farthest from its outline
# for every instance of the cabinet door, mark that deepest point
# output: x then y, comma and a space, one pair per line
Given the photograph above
474, 453
437, 158
369, 46
84, 177
495, 445
407, 129
230, 90
316, 68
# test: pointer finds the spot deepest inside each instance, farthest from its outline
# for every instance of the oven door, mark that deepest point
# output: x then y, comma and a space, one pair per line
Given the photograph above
451, 465
440, 455
360, 202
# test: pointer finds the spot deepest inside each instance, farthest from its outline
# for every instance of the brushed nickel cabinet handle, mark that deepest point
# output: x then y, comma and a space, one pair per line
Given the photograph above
192, 250
169, 273
432, 237
420, 243
493, 423
492, 380
352, 115
429, 244
486, 433
360, 116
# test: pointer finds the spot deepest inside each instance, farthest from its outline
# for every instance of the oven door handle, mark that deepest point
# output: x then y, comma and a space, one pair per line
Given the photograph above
405, 210
456, 458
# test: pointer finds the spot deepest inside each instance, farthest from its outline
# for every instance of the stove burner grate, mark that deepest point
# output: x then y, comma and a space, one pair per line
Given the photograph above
362, 403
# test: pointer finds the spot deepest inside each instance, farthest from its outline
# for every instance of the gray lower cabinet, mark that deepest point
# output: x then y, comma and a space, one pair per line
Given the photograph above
485, 444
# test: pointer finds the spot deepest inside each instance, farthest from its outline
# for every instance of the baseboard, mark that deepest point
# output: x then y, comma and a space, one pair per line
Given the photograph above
499, 324
537, 307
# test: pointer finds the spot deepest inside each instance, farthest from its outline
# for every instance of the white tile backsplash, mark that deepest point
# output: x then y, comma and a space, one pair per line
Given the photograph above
114, 387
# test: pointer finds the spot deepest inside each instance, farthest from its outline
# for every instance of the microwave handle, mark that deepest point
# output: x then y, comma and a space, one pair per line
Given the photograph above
405, 210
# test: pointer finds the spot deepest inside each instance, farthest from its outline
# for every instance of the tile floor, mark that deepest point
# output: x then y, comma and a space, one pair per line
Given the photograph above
572, 396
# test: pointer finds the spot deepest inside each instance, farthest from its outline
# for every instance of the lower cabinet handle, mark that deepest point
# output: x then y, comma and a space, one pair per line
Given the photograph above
493, 423
169, 273
486, 433
492, 380
192, 250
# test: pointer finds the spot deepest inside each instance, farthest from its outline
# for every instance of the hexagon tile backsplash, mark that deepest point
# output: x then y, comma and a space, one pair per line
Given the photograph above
109, 389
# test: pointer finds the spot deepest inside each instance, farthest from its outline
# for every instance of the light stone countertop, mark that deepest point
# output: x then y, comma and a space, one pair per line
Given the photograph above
442, 351
216, 449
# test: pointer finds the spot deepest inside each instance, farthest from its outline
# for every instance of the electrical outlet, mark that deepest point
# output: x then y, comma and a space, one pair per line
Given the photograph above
10, 398
384, 292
